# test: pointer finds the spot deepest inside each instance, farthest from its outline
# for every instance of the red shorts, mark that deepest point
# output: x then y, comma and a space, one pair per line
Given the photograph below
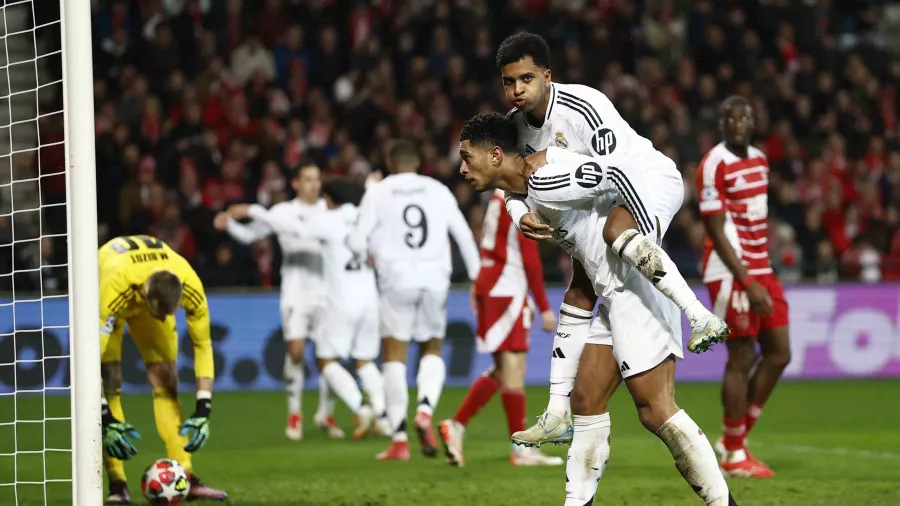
730, 302
503, 325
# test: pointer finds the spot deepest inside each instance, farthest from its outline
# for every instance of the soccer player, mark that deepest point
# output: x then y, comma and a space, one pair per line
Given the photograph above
733, 187
637, 329
302, 292
510, 266
582, 120
142, 284
404, 223
349, 327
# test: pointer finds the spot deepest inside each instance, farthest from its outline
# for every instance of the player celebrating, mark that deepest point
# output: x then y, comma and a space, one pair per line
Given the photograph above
142, 283
510, 266
404, 223
302, 291
349, 324
582, 120
733, 186
635, 321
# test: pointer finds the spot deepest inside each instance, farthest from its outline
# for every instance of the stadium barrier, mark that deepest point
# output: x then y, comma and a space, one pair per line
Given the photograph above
837, 331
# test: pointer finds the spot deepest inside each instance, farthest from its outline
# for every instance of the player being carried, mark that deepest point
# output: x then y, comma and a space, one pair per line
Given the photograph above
637, 330
404, 223
582, 120
733, 186
302, 293
349, 326
142, 284
510, 265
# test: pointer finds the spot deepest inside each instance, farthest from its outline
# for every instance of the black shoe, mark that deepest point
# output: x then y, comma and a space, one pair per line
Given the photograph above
118, 493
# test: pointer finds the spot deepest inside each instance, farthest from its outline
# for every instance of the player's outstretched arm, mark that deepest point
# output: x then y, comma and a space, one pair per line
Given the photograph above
462, 234
534, 271
196, 311
244, 234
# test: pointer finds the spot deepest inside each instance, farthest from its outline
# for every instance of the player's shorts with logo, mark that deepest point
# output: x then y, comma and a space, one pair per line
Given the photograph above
300, 316
354, 334
413, 315
504, 323
731, 304
156, 340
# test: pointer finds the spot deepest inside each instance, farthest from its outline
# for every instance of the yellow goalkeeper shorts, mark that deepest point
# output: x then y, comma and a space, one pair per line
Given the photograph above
156, 340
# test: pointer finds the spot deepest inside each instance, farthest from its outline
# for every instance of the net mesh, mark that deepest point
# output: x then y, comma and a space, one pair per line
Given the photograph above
35, 423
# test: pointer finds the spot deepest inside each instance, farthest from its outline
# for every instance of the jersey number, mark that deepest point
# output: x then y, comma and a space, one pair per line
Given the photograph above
415, 239
131, 243
356, 261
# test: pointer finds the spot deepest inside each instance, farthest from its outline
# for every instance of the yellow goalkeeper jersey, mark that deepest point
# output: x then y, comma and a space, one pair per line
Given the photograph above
125, 264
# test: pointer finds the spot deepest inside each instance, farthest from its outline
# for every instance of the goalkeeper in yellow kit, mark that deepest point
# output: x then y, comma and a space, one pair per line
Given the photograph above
142, 284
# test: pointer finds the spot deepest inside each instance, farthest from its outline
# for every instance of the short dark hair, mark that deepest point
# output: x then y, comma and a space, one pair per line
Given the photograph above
341, 191
165, 288
728, 103
305, 163
404, 152
522, 44
489, 129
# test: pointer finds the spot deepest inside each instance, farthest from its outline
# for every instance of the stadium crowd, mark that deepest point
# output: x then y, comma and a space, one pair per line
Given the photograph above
200, 103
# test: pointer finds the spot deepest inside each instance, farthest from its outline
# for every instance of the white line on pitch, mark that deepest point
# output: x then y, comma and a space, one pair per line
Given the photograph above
833, 451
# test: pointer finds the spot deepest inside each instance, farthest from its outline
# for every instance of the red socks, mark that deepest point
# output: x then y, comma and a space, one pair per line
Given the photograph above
479, 394
733, 430
753, 413
514, 406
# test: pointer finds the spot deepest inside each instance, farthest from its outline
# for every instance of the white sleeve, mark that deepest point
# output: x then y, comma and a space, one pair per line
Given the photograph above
462, 235
249, 233
561, 156
560, 183
516, 207
359, 238
284, 224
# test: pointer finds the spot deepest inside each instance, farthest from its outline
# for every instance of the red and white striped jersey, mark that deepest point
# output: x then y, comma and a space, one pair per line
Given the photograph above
510, 263
739, 188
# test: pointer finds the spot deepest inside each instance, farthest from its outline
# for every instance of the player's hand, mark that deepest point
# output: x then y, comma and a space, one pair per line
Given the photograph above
239, 211
532, 228
221, 220
538, 159
115, 436
759, 298
197, 426
548, 321
370, 260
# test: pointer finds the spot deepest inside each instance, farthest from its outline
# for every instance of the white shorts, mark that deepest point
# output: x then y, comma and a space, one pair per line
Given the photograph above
341, 335
414, 315
653, 195
299, 319
641, 324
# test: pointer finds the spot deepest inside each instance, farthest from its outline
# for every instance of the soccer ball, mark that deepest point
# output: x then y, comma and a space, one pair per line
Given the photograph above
165, 482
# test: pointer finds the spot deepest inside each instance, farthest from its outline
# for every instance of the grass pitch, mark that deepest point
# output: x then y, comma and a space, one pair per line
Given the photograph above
830, 443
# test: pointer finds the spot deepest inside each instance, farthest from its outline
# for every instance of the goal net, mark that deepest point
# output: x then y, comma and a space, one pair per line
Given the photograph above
49, 357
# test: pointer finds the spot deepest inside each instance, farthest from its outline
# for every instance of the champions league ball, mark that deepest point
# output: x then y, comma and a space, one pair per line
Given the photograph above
165, 482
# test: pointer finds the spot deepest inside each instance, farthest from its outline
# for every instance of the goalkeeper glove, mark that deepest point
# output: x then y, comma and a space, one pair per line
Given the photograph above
116, 434
197, 426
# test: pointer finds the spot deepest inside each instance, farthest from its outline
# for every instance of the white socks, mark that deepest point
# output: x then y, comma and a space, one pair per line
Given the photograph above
571, 334
586, 458
293, 383
430, 381
694, 458
344, 385
659, 269
396, 396
373, 385
326, 400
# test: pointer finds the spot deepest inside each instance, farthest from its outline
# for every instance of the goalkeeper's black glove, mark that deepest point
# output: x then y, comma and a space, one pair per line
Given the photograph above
115, 436
197, 426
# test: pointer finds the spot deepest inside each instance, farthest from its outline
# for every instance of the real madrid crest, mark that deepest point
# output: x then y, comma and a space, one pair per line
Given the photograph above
561, 141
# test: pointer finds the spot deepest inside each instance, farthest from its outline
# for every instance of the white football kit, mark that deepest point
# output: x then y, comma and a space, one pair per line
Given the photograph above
404, 222
302, 282
349, 324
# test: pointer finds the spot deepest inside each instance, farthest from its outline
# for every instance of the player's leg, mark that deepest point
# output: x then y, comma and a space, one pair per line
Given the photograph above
575, 316
396, 315
774, 342
364, 352
111, 372
634, 231
323, 418
429, 330
295, 326
597, 380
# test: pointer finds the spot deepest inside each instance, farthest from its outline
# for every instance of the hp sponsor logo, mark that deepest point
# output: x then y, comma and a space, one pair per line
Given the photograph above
589, 175
604, 141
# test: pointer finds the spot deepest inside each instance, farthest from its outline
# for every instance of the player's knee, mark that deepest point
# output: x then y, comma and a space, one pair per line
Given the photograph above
587, 401
296, 351
654, 414
431, 347
111, 372
617, 223
578, 297
163, 375
779, 359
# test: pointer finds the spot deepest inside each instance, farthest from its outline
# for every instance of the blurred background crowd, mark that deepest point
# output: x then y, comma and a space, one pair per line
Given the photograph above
202, 103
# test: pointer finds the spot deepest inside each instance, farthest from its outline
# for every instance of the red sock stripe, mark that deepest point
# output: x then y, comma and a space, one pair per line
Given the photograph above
753, 413
734, 431
514, 406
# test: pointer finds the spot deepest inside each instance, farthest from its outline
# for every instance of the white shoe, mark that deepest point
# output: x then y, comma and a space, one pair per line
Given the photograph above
531, 457
719, 447
382, 428
327, 423
294, 428
365, 419
706, 331
550, 428
452, 433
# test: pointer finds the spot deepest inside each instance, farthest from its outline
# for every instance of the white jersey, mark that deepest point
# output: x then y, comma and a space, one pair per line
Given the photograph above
349, 281
301, 263
404, 222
